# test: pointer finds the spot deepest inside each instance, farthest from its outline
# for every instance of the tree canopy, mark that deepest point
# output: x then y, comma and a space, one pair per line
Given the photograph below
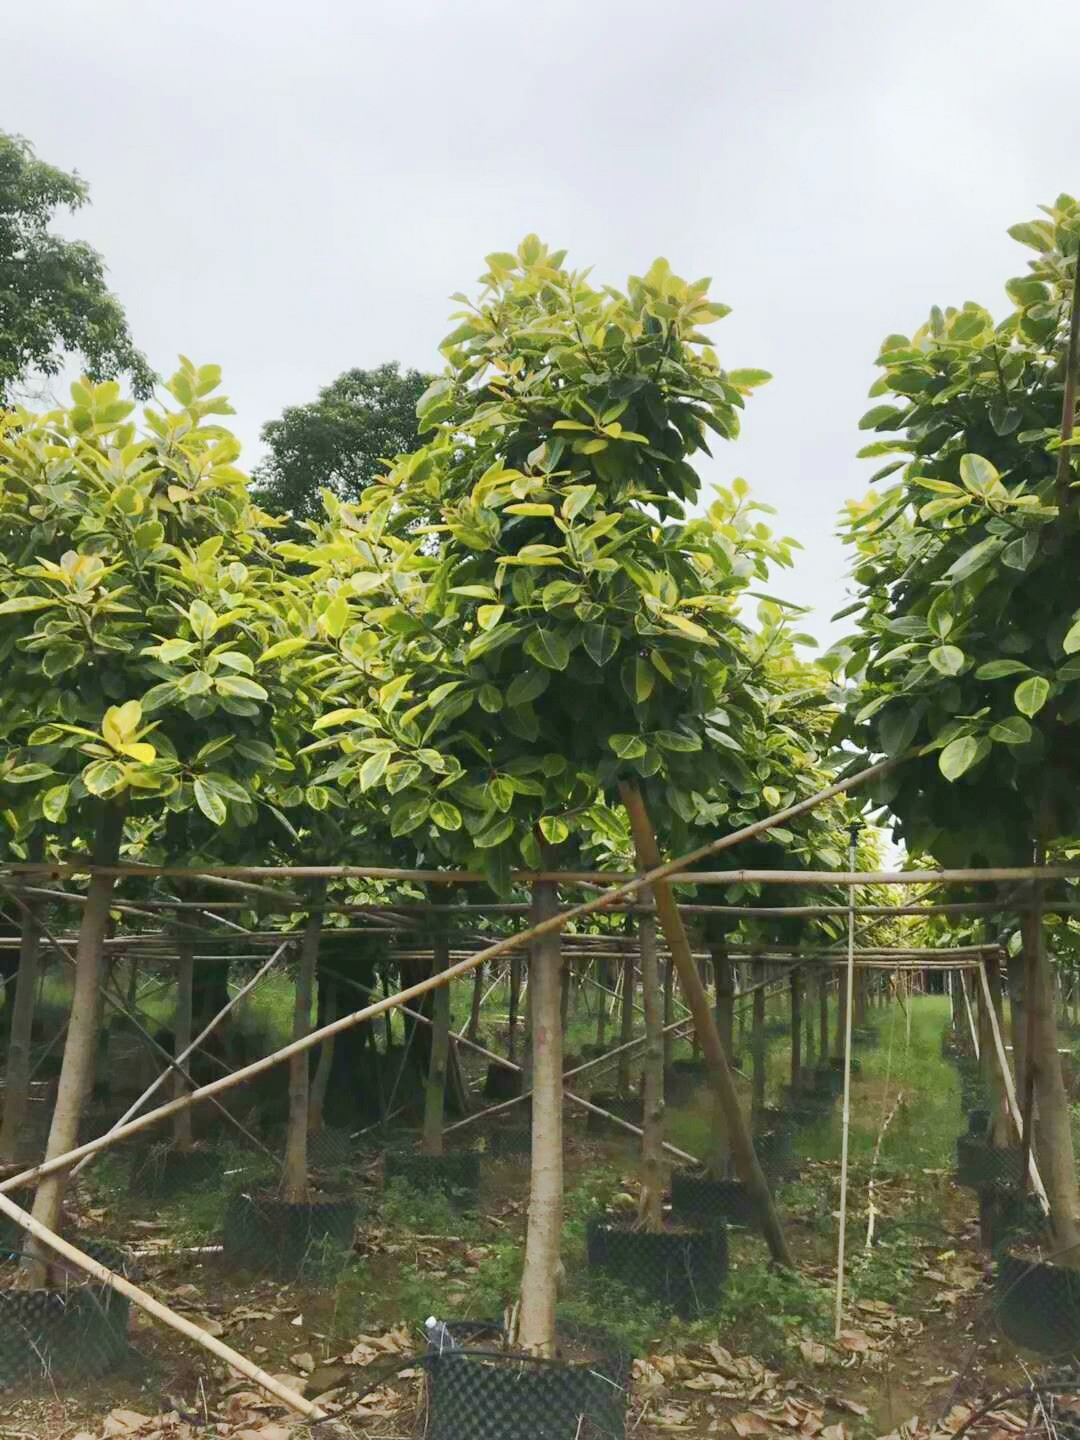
53, 298
340, 441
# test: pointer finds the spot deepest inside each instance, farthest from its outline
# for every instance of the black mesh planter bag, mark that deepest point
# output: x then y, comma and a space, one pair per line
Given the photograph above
330, 1148
624, 1107
161, 1170
776, 1155
510, 1141
681, 1270
979, 1166
865, 1036
266, 1233
456, 1175
79, 1333
487, 1394
769, 1120
501, 1083
696, 1199
978, 1123
1037, 1305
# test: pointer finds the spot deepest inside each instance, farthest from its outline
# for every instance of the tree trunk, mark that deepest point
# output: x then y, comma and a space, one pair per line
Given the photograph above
601, 1013
540, 1279
321, 1082
296, 1166
473, 1030
811, 1033
1015, 975
515, 996
652, 1127
669, 1012
431, 1142
757, 1097
796, 1025
742, 1145
17, 1074
823, 1015
626, 1027
80, 1048
724, 972
388, 1017
182, 1035
1055, 1150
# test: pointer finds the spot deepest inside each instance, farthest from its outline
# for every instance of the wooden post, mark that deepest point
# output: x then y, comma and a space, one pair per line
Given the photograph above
539, 1283
742, 1145
473, 1029
650, 1212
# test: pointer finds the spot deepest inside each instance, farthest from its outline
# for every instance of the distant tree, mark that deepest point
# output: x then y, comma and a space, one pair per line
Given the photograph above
337, 441
53, 297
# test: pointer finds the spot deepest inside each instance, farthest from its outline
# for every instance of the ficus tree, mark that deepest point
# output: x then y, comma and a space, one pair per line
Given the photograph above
137, 642
968, 639
527, 622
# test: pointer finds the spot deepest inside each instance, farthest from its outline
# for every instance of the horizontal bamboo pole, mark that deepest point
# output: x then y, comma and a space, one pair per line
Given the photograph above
288, 1397
521, 938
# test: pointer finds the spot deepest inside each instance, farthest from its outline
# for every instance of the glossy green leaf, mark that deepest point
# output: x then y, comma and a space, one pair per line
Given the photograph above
1031, 695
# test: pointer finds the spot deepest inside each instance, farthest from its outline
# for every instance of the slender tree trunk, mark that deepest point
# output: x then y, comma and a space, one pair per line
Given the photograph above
757, 1098
515, 997
435, 1091
564, 1000
626, 1028
388, 1018
182, 1036
296, 1162
132, 983
1015, 974
841, 1021
321, 1083
540, 1279
724, 972
80, 1048
601, 1012
796, 1025
1001, 1123
669, 1012
742, 1144
811, 1034
473, 1030
1056, 1159
823, 1014
652, 1136
17, 1075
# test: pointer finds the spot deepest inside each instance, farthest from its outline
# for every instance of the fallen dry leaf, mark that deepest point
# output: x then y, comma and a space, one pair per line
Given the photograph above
750, 1423
815, 1352
855, 1340
125, 1422
834, 1432
304, 1361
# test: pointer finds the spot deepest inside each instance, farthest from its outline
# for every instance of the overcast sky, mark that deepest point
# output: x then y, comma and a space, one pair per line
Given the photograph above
294, 189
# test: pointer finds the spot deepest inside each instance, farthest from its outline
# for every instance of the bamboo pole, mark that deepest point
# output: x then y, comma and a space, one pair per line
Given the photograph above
970, 1017
1010, 1094
292, 1399
553, 923
849, 982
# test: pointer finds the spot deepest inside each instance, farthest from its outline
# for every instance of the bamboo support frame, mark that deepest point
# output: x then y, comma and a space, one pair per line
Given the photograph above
1010, 1092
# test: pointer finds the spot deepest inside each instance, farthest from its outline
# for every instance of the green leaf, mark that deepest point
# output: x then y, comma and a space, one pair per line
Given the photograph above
940, 616
974, 559
995, 669
283, 648
61, 657
26, 774
553, 828
209, 800
1013, 730
54, 802
897, 728
527, 687
445, 815
644, 680
674, 740
879, 415
747, 379
488, 616
979, 476
240, 685
548, 647
627, 747
601, 642
102, 776
374, 768
1071, 643
1031, 695
203, 621
947, 659
958, 756
490, 697
495, 834
410, 812
26, 602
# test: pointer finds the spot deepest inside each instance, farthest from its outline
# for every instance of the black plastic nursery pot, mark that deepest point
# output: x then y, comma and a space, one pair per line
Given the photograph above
769, 1120
161, 1170
624, 1107
1013, 1218
477, 1391
978, 1122
1037, 1305
682, 1270
330, 1148
776, 1154
456, 1175
501, 1083
980, 1166
264, 1232
697, 1199
79, 1332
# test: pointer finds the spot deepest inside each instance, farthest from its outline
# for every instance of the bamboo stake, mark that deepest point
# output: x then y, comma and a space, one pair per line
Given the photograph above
1010, 1094
265, 1381
846, 1121
552, 924
970, 1017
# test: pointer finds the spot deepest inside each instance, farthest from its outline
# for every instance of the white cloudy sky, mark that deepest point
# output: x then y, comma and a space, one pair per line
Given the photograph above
295, 189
